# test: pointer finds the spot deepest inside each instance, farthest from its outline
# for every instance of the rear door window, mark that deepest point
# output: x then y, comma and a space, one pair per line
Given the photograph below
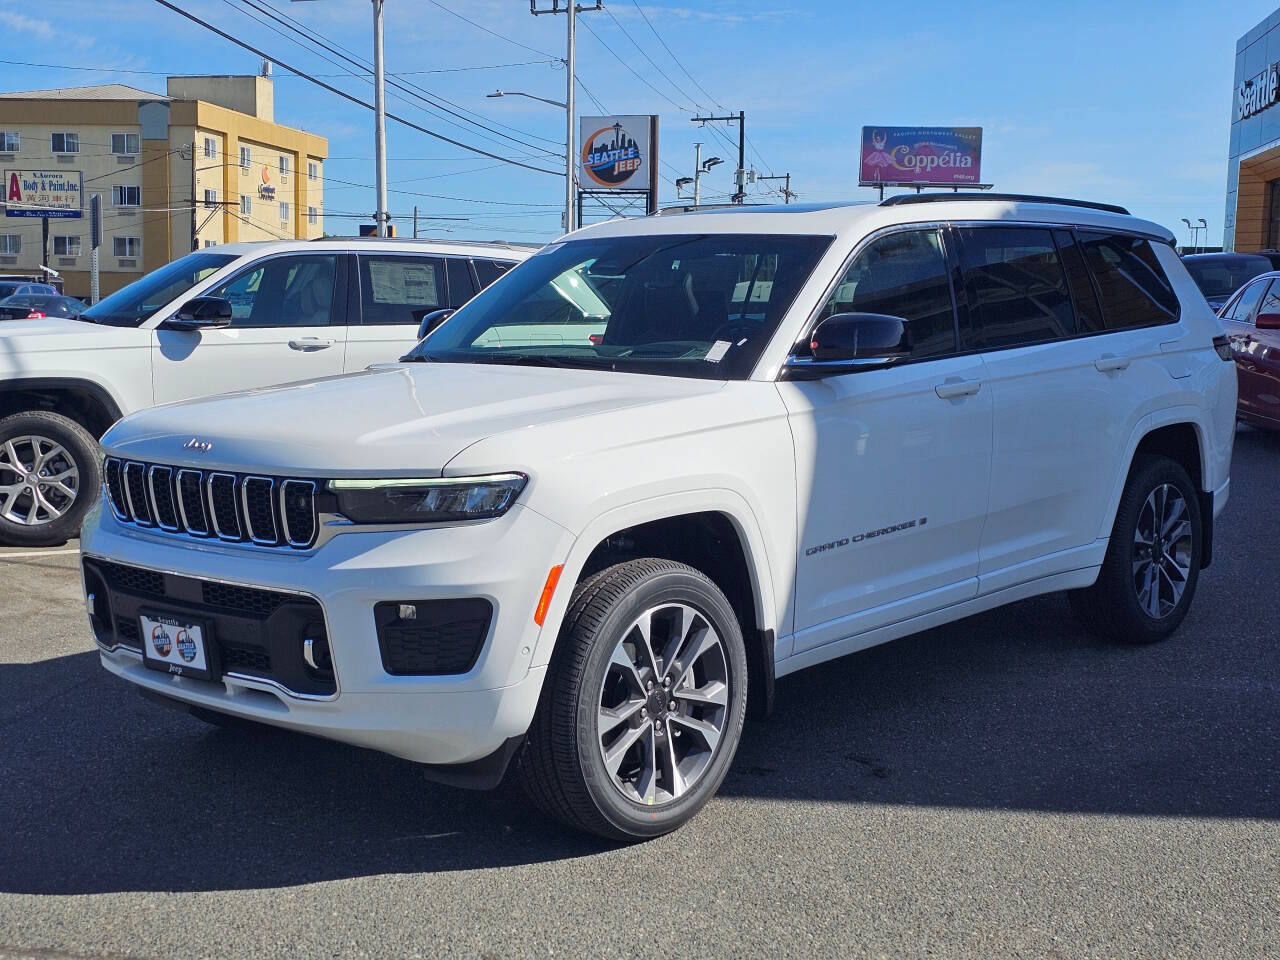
1133, 287
1084, 299
1015, 288
396, 290
461, 286
490, 270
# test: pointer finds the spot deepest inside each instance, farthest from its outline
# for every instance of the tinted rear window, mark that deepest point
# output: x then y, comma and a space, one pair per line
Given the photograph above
490, 270
1219, 277
1133, 287
1015, 288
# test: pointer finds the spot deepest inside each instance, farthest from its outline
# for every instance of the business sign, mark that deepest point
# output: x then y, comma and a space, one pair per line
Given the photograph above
1254, 96
921, 156
265, 190
617, 152
42, 193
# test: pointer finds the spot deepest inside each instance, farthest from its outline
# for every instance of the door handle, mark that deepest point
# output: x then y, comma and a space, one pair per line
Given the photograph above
1109, 362
308, 344
954, 387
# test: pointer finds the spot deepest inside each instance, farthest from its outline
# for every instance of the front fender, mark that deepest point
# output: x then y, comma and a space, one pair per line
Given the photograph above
721, 500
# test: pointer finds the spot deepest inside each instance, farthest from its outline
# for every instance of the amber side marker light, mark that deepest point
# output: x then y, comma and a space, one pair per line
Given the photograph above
548, 591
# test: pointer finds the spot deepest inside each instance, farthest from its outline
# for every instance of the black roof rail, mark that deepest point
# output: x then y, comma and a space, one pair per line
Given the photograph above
904, 198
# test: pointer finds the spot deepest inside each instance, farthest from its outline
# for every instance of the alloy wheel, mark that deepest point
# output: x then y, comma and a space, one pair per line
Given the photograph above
39, 480
1162, 546
663, 704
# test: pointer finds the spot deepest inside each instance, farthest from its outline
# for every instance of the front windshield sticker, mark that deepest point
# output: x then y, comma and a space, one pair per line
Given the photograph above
717, 351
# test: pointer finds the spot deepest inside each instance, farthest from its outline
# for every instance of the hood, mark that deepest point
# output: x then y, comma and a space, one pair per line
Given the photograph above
402, 420
52, 333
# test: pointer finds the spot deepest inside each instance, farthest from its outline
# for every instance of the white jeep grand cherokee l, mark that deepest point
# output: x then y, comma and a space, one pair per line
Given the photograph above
583, 525
226, 318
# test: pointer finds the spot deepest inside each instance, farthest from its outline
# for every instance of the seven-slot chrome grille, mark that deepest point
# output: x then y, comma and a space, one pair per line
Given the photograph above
213, 504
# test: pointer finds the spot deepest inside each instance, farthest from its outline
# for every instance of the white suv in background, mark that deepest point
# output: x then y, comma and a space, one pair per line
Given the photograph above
221, 319
587, 521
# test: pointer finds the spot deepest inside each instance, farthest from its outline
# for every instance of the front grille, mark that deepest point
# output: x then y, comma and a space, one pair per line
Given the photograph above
441, 637
166, 508
236, 659
238, 508
128, 633
242, 599
133, 579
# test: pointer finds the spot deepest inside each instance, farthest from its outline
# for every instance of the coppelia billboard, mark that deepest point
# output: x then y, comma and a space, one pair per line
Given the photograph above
921, 156
618, 152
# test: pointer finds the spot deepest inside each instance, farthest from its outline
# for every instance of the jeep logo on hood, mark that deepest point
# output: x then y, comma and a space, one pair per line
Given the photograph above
196, 445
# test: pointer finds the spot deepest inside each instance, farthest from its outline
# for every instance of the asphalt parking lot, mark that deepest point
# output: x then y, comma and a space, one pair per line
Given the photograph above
998, 787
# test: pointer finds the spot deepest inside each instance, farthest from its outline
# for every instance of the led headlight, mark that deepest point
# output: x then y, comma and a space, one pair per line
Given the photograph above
429, 500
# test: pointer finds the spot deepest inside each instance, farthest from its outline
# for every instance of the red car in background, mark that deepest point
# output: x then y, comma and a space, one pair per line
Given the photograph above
1251, 319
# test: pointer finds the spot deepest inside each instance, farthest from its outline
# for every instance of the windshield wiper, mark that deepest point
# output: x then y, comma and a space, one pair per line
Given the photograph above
530, 360
416, 358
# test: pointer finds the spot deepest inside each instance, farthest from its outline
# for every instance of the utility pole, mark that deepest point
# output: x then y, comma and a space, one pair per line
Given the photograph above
571, 9
786, 187
382, 218
415, 221
740, 175
697, 173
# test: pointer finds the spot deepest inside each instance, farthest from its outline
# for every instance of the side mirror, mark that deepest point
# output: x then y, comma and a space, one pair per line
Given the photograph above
848, 342
201, 313
430, 321
1268, 321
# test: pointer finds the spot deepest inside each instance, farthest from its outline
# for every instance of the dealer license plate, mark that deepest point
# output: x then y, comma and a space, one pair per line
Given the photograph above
175, 644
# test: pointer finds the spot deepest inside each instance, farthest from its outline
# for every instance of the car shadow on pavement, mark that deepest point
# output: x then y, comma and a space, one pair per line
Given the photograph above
1017, 709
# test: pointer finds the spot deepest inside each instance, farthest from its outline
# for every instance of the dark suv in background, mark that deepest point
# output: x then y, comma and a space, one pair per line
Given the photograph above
1219, 275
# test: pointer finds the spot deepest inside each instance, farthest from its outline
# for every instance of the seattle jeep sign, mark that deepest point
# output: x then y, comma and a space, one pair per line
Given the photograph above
1254, 96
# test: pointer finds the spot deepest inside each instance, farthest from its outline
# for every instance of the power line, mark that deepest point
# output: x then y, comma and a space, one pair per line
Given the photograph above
418, 92
494, 33
173, 73
639, 76
705, 93
350, 97
627, 33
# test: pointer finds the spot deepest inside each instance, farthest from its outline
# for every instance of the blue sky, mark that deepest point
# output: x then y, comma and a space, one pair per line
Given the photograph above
1123, 101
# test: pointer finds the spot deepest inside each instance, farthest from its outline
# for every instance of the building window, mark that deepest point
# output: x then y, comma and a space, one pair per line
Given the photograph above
10, 141
211, 243
126, 196
1273, 214
313, 216
246, 205
211, 148
284, 167
10, 243
246, 158
124, 143
211, 198
313, 171
284, 211
126, 246
66, 246
65, 142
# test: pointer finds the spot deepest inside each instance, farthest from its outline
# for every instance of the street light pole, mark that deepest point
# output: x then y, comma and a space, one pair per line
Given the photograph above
382, 218
697, 173
570, 135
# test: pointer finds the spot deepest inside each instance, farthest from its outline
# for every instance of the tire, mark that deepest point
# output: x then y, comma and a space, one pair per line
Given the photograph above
1117, 607
643, 794
59, 508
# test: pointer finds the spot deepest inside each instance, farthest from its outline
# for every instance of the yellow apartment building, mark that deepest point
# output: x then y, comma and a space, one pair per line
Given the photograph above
203, 164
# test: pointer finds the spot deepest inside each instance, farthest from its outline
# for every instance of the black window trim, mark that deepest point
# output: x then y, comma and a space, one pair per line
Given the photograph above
950, 246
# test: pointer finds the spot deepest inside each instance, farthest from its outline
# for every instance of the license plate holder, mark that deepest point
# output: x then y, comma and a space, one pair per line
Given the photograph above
176, 644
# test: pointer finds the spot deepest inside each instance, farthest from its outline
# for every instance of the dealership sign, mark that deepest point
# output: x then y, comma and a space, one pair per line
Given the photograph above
42, 193
617, 152
1254, 96
921, 156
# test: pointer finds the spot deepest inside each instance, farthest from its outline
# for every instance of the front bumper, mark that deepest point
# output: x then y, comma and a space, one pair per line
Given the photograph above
453, 719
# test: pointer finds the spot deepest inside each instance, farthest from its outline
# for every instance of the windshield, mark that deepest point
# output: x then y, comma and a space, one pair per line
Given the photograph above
1219, 278
688, 305
130, 305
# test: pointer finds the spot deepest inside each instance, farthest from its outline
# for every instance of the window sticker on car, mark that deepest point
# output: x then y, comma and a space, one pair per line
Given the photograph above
398, 282
717, 351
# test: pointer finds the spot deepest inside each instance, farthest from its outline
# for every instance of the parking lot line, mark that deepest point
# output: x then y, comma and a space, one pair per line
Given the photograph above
28, 554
